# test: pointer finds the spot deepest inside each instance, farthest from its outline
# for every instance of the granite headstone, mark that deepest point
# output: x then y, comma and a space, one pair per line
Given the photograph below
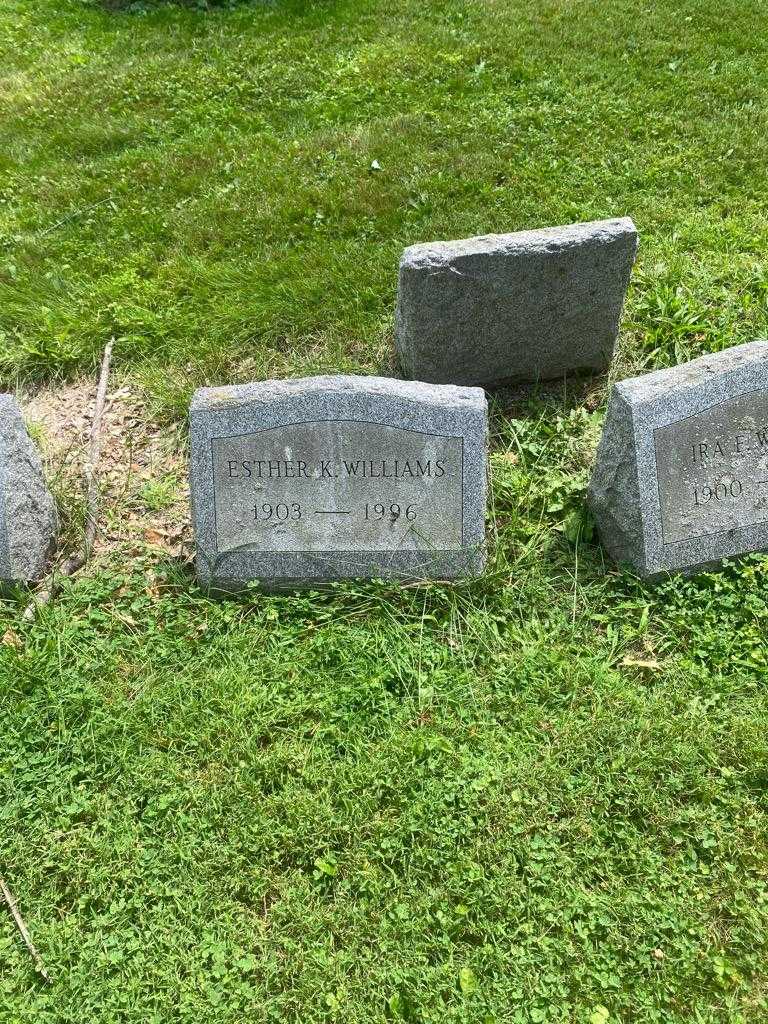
521, 307
325, 478
28, 520
681, 479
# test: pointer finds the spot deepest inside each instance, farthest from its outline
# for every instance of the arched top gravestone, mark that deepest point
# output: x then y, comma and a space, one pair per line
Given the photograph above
327, 478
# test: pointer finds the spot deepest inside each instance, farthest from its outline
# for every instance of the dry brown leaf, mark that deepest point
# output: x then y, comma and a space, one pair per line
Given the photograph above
647, 664
11, 639
511, 458
124, 617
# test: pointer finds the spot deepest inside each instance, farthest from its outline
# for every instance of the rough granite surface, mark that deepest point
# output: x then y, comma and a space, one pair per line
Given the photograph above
521, 307
28, 520
681, 475
321, 422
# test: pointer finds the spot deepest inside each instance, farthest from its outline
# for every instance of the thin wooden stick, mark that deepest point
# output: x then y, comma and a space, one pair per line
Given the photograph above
73, 216
8, 896
90, 472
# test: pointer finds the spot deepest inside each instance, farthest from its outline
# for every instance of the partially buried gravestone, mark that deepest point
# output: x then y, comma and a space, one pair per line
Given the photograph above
326, 478
28, 518
681, 479
528, 306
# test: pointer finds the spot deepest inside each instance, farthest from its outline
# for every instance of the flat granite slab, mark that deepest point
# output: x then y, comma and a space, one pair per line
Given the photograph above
515, 308
681, 478
28, 520
327, 478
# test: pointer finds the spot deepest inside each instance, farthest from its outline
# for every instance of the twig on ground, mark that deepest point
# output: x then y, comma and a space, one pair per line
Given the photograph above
94, 455
73, 216
90, 472
8, 896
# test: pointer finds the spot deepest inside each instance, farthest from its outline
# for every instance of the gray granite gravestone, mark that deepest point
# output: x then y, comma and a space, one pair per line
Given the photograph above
528, 306
326, 478
681, 479
28, 518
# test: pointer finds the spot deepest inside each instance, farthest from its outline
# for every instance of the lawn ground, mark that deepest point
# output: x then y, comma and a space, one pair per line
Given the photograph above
539, 796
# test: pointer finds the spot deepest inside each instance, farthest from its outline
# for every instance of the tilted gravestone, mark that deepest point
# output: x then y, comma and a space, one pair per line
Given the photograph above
681, 479
527, 306
28, 518
326, 478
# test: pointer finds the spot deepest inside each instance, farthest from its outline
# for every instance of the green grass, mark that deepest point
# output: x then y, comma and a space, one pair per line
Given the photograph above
329, 807
199, 184
540, 796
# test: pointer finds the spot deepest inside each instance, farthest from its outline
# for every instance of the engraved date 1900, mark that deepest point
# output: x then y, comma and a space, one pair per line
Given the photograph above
721, 491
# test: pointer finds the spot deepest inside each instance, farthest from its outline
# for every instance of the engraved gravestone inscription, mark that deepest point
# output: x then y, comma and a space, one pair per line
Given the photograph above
681, 479
713, 469
336, 477
353, 486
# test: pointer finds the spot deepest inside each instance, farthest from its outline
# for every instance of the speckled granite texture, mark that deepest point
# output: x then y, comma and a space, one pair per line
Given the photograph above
28, 518
288, 479
527, 306
681, 477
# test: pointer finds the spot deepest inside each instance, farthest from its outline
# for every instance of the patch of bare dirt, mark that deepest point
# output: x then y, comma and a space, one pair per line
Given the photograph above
144, 494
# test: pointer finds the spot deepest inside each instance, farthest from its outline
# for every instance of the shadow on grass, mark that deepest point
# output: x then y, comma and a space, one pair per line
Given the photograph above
298, 10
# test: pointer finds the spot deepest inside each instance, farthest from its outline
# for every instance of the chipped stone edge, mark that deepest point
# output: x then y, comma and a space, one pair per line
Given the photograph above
445, 257
543, 240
